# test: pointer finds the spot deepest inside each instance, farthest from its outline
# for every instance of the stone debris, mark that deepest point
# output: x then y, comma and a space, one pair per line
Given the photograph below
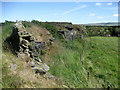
28, 46
42, 67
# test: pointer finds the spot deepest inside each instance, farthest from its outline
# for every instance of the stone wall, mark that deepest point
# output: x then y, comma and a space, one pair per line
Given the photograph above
26, 46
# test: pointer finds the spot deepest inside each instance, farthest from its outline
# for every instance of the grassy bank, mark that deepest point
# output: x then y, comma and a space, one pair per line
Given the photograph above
96, 66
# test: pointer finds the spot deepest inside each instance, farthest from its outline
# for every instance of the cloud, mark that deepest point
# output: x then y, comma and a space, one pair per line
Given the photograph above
98, 4
109, 3
116, 15
92, 14
100, 17
74, 9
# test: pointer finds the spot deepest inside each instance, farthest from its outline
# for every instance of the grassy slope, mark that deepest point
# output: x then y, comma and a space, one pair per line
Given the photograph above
22, 76
100, 63
99, 68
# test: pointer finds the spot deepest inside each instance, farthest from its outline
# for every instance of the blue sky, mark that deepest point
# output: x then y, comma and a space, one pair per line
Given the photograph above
75, 12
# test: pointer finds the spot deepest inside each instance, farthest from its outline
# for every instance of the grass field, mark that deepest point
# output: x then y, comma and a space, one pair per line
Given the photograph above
95, 66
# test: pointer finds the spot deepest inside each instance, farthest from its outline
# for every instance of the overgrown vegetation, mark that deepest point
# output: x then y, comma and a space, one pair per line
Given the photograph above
82, 63
98, 67
103, 30
7, 29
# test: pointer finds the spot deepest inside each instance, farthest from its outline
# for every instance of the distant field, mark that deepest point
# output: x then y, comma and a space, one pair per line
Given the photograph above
99, 58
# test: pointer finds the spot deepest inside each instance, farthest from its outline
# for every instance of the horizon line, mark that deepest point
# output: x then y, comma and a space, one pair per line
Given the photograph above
60, 21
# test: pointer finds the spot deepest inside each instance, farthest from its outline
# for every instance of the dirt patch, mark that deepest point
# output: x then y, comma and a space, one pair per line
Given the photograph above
40, 34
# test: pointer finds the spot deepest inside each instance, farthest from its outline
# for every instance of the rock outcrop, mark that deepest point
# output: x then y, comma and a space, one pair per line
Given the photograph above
69, 35
26, 46
68, 30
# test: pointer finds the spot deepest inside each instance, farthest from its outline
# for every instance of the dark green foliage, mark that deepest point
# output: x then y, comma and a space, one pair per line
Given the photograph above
102, 30
7, 28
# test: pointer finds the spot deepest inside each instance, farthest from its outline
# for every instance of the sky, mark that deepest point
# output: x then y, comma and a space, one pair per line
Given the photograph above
75, 12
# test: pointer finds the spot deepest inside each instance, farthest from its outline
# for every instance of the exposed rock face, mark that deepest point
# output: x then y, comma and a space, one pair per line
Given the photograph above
69, 35
26, 45
68, 31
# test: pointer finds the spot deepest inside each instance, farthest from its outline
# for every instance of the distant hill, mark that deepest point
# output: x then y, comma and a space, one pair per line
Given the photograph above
102, 24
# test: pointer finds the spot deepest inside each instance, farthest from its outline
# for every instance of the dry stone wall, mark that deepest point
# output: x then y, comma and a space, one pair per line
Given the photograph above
27, 46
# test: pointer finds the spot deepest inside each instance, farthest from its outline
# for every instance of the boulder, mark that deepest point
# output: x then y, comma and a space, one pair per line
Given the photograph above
41, 68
